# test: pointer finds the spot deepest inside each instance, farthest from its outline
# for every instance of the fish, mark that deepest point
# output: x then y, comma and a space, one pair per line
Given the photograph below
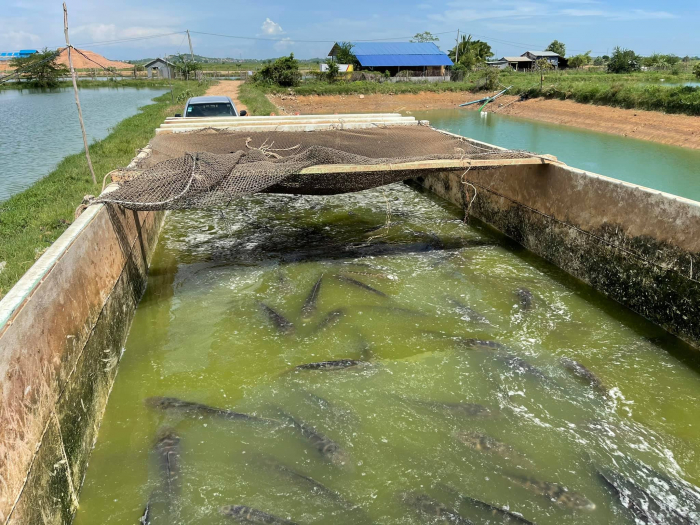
310, 303
359, 284
581, 371
506, 515
370, 274
461, 409
338, 364
325, 446
523, 367
481, 343
554, 492
324, 404
167, 449
646, 507
280, 322
244, 514
199, 409
471, 315
145, 518
484, 443
432, 508
333, 317
525, 297
315, 486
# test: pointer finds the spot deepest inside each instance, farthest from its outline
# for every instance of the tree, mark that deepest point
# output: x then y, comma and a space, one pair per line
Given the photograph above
425, 36
184, 65
543, 65
696, 70
332, 71
40, 69
581, 60
471, 52
557, 47
623, 61
344, 54
283, 72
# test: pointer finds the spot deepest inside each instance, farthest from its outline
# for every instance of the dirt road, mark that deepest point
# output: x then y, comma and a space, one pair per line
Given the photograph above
678, 130
228, 88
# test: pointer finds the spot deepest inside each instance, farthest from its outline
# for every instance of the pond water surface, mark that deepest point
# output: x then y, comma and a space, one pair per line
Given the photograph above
667, 168
459, 387
40, 128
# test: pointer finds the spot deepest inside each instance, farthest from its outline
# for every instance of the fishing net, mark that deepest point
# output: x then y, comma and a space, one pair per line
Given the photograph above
211, 168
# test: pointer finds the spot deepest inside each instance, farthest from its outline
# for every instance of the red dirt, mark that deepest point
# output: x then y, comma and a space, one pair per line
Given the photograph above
677, 130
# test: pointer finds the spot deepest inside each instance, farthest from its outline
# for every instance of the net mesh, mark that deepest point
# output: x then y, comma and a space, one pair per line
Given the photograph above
211, 168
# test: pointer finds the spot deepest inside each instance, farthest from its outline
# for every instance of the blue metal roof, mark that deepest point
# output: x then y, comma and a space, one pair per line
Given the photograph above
405, 54
403, 60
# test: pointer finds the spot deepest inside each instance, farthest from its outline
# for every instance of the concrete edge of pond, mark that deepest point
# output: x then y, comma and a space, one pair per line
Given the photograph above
636, 245
63, 331
66, 323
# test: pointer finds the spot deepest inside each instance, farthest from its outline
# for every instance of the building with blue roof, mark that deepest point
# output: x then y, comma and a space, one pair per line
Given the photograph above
422, 58
18, 54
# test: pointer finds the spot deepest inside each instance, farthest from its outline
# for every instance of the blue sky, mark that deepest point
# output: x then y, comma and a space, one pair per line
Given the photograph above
510, 26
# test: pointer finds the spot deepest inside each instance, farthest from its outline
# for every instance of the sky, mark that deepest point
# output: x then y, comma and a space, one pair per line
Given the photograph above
309, 27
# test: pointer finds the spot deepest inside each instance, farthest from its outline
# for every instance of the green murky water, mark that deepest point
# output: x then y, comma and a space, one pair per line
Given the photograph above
201, 334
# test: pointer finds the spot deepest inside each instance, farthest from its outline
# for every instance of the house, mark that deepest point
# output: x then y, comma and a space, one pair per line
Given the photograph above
160, 68
558, 61
23, 53
418, 58
517, 63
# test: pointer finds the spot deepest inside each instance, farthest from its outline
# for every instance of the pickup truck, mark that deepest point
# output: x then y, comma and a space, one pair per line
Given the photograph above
211, 107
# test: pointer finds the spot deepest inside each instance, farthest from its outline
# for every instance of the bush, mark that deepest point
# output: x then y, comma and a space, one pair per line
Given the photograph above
623, 61
696, 70
282, 72
487, 79
331, 74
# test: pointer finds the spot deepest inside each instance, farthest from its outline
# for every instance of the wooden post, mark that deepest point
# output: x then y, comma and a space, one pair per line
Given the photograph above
191, 53
75, 90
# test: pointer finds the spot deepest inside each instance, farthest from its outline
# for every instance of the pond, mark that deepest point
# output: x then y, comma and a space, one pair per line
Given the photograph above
293, 357
40, 128
667, 168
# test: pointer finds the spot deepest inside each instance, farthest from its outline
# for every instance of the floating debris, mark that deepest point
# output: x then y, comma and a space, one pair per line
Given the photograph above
525, 297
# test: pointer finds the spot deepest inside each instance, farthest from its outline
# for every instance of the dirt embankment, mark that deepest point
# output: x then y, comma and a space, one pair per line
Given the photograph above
677, 130
227, 88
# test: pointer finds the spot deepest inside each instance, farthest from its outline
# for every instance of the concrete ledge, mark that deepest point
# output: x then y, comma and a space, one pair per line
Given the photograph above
638, 246
62, 329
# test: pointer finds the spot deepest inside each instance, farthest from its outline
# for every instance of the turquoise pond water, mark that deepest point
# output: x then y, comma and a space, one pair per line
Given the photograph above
667, 168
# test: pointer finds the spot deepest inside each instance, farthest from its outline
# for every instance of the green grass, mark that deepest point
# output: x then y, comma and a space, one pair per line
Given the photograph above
30, 221
643, 90
253, 97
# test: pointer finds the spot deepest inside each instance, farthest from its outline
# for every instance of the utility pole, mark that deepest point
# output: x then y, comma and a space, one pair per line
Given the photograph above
457, 49
75, 90
191, 52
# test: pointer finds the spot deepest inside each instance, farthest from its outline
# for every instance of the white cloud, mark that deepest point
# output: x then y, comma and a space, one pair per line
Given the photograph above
634, 14
101, 32
470, 11
283, 44
271, 28
16, 40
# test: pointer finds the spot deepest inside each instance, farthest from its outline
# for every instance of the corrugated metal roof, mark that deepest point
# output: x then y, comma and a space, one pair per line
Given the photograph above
517, 59
544, 53
404, 60
395, 48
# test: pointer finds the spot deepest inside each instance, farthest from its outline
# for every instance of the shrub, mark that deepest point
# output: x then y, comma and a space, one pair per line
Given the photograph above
696, 70
623, 61
282, 72
331, 74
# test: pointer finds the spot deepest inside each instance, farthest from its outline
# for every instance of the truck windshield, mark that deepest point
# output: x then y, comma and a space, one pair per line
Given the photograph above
216, 109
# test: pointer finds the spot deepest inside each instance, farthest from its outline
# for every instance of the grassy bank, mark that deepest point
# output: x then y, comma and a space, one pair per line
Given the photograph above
30, 221
633, 91
253, 97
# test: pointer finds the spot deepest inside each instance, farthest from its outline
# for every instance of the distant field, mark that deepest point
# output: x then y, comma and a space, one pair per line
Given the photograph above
643, 90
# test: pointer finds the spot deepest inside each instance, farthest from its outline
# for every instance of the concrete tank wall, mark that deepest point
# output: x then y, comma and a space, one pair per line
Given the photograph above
62, 330
640, 247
